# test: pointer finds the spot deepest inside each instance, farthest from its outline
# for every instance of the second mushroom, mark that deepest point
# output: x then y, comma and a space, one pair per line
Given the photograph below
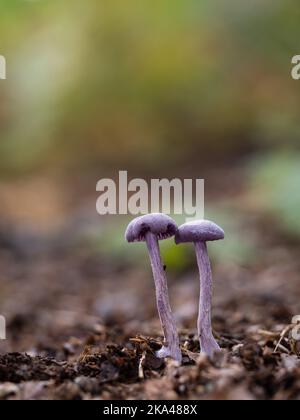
200, 232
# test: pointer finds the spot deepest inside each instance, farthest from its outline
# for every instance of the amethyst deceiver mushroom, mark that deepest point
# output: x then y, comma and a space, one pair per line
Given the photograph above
200, 232
150, 229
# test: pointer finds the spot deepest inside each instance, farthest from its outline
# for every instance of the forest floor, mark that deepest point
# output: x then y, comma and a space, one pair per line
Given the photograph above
82, 327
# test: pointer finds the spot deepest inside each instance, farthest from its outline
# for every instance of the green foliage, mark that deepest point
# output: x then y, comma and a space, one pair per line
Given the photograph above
275, 181
108, 84
240, 245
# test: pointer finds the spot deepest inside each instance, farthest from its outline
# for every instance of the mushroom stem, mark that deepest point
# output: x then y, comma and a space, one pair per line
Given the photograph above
171, 345
208, 344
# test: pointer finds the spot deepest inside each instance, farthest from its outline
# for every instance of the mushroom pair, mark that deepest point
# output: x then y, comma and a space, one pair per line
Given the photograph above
154, 227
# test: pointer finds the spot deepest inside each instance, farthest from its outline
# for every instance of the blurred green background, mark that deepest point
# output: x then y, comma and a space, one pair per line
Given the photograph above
161, 88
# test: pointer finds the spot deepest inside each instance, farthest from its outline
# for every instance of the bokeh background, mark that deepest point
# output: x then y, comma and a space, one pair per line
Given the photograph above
187, 88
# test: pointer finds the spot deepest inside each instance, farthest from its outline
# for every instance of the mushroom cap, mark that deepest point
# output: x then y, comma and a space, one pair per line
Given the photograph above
160, 224
199, 231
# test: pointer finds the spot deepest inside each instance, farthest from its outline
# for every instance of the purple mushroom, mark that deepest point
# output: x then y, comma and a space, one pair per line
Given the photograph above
199, 232
150, 229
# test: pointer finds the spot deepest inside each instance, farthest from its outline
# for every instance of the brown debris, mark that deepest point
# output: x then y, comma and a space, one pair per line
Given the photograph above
90, 329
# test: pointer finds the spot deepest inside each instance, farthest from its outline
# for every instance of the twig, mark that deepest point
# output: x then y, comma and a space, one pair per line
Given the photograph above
282, 336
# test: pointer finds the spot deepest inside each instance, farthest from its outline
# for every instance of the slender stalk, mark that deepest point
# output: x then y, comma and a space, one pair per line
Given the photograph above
208, 344
171, 346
